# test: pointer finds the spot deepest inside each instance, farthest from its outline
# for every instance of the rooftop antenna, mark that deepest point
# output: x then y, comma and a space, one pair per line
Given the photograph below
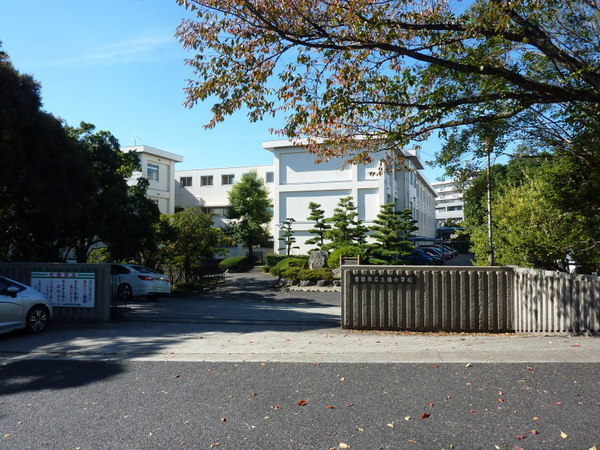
135, 138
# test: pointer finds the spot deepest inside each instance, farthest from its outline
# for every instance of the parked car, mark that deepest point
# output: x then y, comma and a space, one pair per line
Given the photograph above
453, 252
420, 257
22, 306
133, 280
436, 254
446, 255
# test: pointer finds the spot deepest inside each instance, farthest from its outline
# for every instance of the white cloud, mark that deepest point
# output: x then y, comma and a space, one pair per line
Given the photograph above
137, 49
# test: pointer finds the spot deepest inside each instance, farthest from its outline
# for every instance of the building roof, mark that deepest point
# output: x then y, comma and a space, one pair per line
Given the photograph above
153, 151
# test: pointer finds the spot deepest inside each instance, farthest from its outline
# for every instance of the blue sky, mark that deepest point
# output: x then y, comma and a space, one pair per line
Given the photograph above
117, 64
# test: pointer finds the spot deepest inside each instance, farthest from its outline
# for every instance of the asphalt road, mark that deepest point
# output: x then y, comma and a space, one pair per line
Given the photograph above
158, 405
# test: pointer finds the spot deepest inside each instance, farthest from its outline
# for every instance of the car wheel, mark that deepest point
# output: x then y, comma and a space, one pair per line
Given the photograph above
124, 292
37, 319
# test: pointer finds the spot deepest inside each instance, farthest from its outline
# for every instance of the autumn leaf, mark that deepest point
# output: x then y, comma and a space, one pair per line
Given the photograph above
276, 407
330, 407
302, 403
425, 416
435, 366
576, 345
350, 404
215, 444
391, 425
223, 419
431, 405
177, 375
530, 369
563, 435
558, 403
468, 365
520, 436
472, 411
500, 400
344, 445
534, 432
407, 418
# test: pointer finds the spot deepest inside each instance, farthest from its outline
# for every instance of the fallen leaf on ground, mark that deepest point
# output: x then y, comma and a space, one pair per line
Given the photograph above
350, 404
177, 375
214, 444
359, 429
520, 436
558, 403
534, 432
223, 419
576, 345
342, 378
563, 435
407, 418
425, 416
276, 407
536, 418
468, 365
472, 411
500, 400
344, 445
302, 403
530, 369
435, 366
391, 425
330, 407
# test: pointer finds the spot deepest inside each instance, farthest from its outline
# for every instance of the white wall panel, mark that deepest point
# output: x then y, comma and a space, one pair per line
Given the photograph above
301, 168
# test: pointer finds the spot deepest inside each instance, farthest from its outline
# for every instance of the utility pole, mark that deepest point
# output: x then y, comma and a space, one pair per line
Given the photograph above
489, 204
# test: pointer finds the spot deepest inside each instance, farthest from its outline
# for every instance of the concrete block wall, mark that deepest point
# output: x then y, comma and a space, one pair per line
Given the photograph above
100, 313
427, 298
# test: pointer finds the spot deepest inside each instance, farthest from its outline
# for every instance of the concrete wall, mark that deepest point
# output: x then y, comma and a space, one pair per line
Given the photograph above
469, 299
427, 299
100, 313
552, 302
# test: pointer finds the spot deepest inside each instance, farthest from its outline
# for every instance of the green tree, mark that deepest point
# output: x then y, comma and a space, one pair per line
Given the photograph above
287, 235
42, 173
346, 228
112, 212
393, 72
320, 227
529, 230
391, 232
249, 211
189, 236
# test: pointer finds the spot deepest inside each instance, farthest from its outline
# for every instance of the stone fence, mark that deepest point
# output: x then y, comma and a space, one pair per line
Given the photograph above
97, 307
483, 299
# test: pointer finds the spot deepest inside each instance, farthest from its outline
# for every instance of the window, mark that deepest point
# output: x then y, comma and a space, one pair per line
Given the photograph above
152, 172
206, 180
185, 181
269, 177
227, 179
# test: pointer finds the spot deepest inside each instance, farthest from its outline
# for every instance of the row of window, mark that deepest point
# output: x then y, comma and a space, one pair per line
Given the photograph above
208, 180
449, 208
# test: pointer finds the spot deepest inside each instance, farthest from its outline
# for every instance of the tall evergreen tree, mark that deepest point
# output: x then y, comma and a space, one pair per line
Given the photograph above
391, 233
287, 235
320, 227
249, 211
346, 227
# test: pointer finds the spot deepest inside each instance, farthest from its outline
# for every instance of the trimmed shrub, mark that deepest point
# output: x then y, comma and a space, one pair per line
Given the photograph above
272, 260
316, 274
292, 273
350, 250
287, 263
235, 263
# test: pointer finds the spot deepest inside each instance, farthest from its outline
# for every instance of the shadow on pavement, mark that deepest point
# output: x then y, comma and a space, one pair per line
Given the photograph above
249, 298
29, 375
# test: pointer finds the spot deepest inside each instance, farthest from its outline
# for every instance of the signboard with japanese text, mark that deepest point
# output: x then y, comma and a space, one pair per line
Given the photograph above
66, 289
391, 279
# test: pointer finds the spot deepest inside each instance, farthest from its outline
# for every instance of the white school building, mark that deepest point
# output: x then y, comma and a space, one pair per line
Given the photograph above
294, 180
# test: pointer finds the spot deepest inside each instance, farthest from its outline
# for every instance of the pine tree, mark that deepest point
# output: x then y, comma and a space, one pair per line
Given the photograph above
287, 235
392, 231
321, 226
346, 228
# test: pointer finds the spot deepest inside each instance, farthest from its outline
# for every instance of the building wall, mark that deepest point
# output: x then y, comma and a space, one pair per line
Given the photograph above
299, 181
158, 167
450, 203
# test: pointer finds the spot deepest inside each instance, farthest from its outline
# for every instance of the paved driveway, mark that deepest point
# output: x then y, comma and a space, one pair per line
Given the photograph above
243, 298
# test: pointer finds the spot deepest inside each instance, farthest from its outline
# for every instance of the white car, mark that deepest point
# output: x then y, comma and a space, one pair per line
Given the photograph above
22, 306
133, 280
